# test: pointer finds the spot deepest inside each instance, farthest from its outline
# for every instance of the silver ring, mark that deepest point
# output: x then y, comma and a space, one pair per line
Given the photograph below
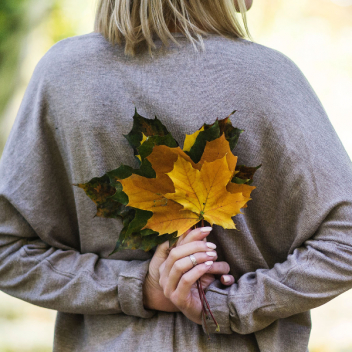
193, 259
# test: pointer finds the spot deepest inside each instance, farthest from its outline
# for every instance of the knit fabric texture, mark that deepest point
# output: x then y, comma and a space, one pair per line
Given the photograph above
291, 252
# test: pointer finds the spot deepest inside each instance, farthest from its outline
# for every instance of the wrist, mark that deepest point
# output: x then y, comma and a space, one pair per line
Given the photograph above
154, 298
147, 301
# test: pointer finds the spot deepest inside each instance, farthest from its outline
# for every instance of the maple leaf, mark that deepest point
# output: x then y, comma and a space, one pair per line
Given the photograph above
148, 127
190, 140
136, 241
243, 188
217, 149
149, 201
163, 158
204, 136
144, 138
158, 195
147, 194
204, 192
133, 237
147, 147
244, 174
232, 134
194, 144
100, 190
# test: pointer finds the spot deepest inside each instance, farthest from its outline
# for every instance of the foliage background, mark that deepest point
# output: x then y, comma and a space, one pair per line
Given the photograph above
315, 34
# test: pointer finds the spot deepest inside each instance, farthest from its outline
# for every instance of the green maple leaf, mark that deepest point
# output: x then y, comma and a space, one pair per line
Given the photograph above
146, 148
148, 127
232, 134
245, 174
210, 132
133, 237
100, 190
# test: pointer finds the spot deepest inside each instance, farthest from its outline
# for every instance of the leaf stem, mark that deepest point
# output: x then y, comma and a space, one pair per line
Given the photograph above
204, 311
205, 304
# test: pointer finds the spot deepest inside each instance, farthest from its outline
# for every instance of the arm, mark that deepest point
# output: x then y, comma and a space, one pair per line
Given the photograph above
312, 275
41, 261
66, 280
303, 204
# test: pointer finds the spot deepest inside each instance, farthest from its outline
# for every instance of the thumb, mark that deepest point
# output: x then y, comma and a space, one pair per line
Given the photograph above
162, 251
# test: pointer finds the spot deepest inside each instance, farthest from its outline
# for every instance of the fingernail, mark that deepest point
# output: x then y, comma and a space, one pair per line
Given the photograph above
226, 279
208, 263
206, 229
211, 254
211, 245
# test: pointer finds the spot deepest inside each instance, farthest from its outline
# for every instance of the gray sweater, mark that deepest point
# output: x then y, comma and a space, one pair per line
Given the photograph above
293, 248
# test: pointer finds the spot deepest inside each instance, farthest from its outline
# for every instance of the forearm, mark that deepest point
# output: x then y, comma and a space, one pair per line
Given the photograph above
312, 275
71, 282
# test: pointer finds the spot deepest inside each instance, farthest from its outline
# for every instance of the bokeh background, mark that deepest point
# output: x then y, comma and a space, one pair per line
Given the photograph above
315, 34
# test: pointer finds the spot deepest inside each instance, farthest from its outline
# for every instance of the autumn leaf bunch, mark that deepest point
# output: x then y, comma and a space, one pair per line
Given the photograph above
173, 189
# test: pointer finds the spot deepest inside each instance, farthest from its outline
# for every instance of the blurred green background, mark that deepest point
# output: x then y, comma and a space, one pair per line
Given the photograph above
315, 34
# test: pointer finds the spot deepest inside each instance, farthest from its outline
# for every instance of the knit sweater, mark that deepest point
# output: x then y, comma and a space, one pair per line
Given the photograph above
291, 252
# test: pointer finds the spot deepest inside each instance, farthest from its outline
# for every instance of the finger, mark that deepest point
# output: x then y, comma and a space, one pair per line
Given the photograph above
181, 238
219, 268
162, 250
197, 234
180, 267
184, 251
227, 280
179, 296
206, 280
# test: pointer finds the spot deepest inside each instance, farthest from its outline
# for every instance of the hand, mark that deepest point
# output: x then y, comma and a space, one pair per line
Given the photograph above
153, 293
225, 279
178, 276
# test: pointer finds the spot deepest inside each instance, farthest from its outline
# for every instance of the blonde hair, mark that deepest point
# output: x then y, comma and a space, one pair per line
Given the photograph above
135, 22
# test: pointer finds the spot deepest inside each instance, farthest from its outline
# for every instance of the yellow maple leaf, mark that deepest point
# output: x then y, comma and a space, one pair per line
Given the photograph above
163, 158
144, 138
147, 194
184, 192
171, 218
204, 191
190, 139
245, 189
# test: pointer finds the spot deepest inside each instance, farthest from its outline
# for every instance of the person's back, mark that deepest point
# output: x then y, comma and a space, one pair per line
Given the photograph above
290, 252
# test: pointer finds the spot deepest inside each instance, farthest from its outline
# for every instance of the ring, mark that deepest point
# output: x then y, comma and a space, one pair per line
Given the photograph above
193, 259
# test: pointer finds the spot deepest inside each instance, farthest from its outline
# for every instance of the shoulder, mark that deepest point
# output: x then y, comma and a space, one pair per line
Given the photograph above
76, 46
263, 71
264, 64
71, 55
271, 77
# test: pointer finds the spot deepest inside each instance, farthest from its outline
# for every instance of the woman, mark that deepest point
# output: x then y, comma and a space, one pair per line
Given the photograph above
292, 250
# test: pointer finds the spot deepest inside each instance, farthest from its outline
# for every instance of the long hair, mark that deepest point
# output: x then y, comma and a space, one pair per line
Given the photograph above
134, 23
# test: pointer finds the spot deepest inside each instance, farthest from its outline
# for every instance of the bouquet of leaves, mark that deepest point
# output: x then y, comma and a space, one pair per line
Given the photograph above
173, 189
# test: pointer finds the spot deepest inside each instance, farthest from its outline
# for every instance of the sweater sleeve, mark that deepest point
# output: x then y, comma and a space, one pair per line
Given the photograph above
305, 190
40, 256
